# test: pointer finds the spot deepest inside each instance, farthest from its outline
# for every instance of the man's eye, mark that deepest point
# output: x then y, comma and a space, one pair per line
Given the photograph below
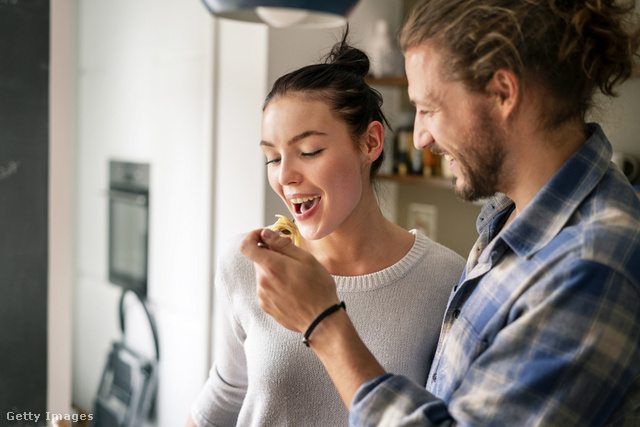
315, 153
429, 113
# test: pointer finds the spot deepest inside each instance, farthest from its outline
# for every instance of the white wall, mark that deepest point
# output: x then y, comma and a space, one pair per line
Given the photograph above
619, 117
60, 208
145, 91
241, 78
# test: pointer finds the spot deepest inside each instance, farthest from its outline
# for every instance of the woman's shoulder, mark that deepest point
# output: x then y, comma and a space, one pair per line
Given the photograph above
437, 265
232, 265
230, 249
438, 253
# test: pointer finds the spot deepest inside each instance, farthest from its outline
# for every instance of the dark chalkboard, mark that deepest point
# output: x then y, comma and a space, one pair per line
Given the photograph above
24, 168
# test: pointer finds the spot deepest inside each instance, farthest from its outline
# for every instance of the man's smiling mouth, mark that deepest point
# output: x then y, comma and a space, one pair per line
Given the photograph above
303, 204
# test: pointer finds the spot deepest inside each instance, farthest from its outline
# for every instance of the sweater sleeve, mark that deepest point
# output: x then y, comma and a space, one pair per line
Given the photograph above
221, 398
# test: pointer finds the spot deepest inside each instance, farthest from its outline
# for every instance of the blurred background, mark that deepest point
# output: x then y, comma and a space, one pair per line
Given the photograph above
165, 85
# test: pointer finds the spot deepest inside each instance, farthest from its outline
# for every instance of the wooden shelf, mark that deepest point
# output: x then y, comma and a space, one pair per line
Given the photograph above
387, 81
433, 181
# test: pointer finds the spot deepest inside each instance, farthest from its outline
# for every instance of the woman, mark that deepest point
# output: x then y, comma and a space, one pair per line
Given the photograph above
323, 135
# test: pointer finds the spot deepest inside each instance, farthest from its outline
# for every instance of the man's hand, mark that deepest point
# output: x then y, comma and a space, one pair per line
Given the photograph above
292, 286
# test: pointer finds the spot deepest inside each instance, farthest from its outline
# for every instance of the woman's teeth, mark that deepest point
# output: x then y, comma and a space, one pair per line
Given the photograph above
303, 199
303, 204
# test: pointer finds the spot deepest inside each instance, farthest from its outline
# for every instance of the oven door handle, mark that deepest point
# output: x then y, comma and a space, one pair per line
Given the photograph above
125, 196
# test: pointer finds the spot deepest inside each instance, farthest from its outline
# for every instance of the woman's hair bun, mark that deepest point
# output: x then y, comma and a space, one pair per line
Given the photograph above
348, 57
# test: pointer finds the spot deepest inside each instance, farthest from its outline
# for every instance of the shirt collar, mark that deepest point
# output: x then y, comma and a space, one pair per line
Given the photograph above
549, 211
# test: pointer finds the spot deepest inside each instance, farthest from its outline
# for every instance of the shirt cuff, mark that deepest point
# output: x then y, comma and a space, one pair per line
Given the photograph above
367, 387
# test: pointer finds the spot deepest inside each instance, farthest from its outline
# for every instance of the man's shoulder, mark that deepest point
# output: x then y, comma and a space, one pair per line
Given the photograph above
606, 230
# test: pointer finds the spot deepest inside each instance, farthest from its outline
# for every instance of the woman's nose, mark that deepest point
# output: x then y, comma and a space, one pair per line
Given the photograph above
289, 173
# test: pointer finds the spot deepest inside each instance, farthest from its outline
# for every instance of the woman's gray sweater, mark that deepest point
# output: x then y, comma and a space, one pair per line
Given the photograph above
264, 376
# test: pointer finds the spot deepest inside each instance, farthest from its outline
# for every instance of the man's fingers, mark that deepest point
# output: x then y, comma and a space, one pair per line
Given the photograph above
281, 244
251, 248
268, 249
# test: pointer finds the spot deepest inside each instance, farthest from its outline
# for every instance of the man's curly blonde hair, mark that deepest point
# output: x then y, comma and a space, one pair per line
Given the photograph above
567, 48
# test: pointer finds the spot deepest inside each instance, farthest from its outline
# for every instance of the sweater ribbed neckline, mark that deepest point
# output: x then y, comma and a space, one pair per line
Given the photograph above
388, 275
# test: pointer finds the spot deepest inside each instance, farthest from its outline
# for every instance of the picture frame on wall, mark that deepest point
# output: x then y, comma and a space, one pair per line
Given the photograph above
423, 218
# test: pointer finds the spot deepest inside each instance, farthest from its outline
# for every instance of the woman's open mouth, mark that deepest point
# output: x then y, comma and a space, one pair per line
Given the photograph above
304, 204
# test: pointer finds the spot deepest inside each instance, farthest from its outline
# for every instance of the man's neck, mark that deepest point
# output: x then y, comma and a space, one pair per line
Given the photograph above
536, 157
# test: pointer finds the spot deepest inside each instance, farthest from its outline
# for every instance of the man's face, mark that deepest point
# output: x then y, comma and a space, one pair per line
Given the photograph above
457, 123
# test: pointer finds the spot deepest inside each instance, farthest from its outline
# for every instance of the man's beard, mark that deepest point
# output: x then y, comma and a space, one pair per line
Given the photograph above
482, 162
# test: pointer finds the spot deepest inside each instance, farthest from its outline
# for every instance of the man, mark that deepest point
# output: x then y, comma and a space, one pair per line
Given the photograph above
544, 327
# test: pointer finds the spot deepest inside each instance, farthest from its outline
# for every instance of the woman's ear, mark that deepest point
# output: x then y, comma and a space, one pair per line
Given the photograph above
373, 142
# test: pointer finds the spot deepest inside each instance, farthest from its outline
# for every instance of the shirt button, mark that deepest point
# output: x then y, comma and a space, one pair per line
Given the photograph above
434, 377
455, 288
456, 313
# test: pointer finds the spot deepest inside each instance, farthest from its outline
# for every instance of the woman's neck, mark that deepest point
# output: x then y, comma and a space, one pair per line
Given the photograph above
366, 243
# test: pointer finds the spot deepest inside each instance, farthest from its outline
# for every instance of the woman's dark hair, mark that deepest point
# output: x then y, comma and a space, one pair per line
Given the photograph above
339, 81
568, 48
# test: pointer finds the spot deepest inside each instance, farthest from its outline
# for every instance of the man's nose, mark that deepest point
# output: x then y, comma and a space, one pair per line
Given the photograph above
422, 138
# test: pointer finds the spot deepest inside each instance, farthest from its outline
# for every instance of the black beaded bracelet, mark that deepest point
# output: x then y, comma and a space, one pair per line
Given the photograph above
328, 311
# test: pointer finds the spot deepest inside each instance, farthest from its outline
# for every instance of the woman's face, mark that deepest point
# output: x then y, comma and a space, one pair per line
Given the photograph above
312, 163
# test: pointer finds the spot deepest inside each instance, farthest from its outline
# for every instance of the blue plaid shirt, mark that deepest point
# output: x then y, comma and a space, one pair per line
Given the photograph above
544, 327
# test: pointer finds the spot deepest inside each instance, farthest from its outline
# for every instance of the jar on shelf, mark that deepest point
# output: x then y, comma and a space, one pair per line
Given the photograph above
383, 54
403, 144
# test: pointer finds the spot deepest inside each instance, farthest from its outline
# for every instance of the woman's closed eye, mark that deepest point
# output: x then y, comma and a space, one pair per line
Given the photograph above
273, 161
313, 154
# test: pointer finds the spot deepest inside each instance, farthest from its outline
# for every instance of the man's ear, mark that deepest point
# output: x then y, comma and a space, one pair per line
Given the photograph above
505, 85
373, 142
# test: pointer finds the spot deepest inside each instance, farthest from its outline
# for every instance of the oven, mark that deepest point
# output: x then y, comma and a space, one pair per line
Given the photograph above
129, 225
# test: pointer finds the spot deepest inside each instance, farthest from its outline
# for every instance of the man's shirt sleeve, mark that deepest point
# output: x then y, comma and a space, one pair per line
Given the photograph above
568, 356
395, 400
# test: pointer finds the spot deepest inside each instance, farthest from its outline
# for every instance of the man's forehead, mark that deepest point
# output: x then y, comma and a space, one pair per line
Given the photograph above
424, 78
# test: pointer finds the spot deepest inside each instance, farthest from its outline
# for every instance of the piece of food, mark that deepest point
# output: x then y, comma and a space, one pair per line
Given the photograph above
287, 228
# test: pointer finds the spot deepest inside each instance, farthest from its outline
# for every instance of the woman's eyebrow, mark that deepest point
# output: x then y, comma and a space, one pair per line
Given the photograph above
296, 138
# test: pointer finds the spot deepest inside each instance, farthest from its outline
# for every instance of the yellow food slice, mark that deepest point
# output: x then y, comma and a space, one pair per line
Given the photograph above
287, 228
